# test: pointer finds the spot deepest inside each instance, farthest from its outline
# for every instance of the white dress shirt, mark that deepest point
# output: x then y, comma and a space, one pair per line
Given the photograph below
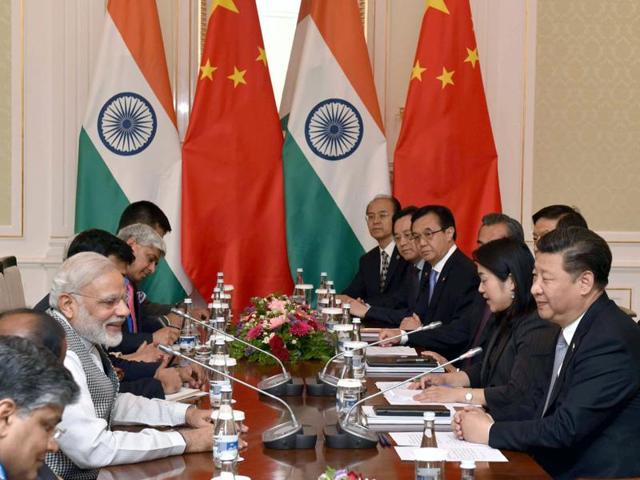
90, 444
568, 332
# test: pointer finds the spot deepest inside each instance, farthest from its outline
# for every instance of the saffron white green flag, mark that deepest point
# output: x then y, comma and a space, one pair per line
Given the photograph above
334, 156
129, 148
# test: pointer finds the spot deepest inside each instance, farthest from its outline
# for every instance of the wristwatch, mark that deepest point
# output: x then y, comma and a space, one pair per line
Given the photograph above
468, 396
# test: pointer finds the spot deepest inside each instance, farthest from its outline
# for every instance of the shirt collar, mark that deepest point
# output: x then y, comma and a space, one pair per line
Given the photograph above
389, 248
569, 331
440, 265
419, 264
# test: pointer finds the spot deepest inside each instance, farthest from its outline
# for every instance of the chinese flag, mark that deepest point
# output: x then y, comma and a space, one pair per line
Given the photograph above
232, 186
445, 153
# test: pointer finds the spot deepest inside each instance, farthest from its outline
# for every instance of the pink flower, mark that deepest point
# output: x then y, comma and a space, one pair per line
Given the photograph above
276, 305
300, 329
276, 322
254, 332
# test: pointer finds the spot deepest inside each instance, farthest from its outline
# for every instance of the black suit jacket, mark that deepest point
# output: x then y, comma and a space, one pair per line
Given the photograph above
366, 283
514, 371
592, 425
456, 303
404, 301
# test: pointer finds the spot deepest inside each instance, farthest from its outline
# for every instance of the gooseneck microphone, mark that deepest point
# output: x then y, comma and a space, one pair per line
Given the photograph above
284, 436
364, 433
270, 383
333, 380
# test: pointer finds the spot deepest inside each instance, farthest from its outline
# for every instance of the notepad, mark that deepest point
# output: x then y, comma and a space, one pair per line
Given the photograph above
457, 450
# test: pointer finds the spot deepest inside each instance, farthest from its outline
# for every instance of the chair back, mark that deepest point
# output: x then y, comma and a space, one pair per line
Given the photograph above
13, 282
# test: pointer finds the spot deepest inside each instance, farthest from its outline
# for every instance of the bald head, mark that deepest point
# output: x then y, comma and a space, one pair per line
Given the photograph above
35, 326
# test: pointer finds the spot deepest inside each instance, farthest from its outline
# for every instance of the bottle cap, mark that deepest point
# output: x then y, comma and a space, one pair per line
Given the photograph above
431, 416
209, 305
348, 353
219, 340
343, 327
468, 464
356, 320
188, 301
346, 306
299, 270
323, 274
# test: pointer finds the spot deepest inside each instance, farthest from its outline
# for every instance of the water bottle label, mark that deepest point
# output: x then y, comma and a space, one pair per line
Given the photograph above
345, 402
428, 474
187, 342
225, 447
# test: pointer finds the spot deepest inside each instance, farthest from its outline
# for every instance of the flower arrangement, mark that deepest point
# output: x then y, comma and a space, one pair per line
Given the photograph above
290, 331
344, 474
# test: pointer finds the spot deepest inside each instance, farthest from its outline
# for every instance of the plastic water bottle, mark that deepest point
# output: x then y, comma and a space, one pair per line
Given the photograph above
299, 276
346, 313
357, 324
225, 441
216, 380
188, 333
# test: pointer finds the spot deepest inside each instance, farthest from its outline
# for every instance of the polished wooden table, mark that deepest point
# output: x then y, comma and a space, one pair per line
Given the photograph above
264, 464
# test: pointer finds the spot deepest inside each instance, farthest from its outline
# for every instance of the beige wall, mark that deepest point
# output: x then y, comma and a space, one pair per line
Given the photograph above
5, 113
587, 119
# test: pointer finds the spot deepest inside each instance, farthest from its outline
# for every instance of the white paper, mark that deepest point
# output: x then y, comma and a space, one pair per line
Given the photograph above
457, 450
184, 394
391, 352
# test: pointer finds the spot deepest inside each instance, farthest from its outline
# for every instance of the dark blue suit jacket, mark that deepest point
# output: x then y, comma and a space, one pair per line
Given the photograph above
592, 425
456, 303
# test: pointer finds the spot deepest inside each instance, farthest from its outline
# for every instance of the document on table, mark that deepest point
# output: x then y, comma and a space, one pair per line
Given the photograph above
185, 394
404, 396
457, 450
391, 352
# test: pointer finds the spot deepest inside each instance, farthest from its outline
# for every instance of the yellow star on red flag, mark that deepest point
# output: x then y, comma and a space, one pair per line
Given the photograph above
446, 78
228, 4
437, 4
262, 56
206, 70
237, 77
416, 71
472, 56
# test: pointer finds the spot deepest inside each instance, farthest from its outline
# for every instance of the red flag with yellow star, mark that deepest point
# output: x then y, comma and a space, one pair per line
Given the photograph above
232, 185
445, 153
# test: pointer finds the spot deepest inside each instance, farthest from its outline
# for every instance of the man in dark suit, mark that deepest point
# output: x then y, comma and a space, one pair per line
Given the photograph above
589, 421
553, 216
406, 296
381, 271
450, 287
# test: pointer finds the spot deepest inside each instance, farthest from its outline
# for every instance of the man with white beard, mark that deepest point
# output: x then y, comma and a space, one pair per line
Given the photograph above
88, 299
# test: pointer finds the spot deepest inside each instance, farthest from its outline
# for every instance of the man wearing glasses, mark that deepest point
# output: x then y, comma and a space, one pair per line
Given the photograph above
450, 290
88, 299
31, 407
381, 270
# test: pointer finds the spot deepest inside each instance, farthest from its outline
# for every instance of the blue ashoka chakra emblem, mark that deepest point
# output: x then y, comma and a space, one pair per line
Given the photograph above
127, 123
333, 129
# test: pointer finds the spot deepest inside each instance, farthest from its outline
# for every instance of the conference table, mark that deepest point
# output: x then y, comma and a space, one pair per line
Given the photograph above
265, 464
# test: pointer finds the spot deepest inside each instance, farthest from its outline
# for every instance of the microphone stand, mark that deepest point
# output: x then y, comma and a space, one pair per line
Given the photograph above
284, 436
327, 383
281, 384
355, 435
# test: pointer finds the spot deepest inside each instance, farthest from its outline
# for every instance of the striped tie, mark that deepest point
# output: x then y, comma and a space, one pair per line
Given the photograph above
384, 268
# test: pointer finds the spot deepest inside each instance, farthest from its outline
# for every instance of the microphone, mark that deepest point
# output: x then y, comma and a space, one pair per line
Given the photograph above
333, 380
284, 436
362, 434
271, 383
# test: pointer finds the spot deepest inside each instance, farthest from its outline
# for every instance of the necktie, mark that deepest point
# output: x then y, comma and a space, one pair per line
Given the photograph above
132, 313
384, 268
433, 279
561, 351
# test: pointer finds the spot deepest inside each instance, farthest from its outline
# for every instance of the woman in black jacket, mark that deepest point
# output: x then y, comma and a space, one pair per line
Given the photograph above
513, 375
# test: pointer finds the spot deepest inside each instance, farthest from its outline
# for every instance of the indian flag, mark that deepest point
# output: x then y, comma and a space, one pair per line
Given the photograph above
335, 156
129, 148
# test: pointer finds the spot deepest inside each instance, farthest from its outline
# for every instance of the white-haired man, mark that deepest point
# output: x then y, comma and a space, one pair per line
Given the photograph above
88, 298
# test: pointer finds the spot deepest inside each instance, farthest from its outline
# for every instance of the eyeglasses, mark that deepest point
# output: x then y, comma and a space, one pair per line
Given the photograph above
109, 302
58, 432
426, 235
372, 217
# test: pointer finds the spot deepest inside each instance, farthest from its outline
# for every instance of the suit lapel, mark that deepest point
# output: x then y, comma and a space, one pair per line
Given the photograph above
442, 279
583, 328
495, 347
